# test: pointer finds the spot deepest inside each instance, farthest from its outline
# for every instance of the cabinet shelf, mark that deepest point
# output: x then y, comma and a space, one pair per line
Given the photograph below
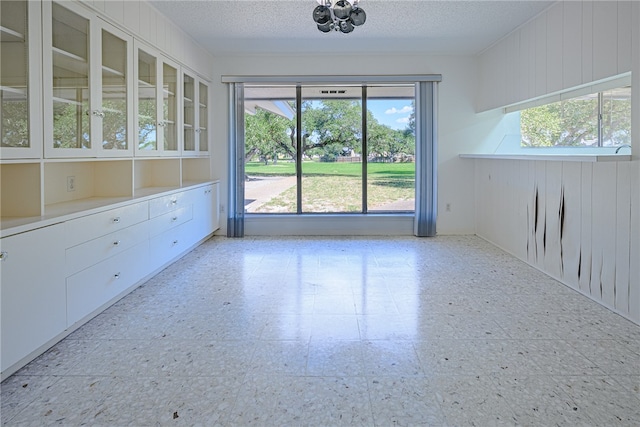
111, 72
66, 101
70, 62
9, 35
13, 92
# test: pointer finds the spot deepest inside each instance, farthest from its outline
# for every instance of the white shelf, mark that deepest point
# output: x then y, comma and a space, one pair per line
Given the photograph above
553, 157
112, 72
9, 35
66, 101
79, 205
69, 61
22, 92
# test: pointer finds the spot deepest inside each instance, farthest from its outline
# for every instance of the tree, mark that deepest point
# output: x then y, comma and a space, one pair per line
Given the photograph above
331, 128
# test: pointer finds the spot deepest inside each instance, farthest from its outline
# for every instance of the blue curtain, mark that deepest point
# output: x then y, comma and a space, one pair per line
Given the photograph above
426, 160
235, 190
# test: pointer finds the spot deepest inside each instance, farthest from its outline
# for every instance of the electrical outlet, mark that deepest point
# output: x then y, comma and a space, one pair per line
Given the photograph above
71, 183
221, 208
448, 207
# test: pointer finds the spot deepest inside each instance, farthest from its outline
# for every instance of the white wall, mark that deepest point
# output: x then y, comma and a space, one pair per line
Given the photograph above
459, 128
577, 221
570, 44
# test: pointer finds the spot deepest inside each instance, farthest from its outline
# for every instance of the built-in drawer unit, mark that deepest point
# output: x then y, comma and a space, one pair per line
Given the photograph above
168, 245
164, 204
170, 220
92, 252
99, 224
97, 285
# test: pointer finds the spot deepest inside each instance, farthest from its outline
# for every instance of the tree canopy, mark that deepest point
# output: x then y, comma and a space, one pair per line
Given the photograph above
331, 128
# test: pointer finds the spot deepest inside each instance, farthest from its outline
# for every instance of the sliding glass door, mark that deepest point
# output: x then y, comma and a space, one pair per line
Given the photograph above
341, 161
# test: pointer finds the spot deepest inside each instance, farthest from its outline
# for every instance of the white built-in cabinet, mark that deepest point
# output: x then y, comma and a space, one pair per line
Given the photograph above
91, 114
157, 95
87, 85
93, 142
195, 115
32, 297
20, 77
89, 261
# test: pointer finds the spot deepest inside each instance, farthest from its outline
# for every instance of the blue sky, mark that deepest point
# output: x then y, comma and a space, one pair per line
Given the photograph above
393, 113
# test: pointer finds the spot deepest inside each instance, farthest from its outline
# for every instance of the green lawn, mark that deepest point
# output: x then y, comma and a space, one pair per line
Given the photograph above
381, 170
337, 187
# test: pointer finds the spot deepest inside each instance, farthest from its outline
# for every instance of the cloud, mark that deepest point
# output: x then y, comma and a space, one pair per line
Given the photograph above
403, 110
403, 120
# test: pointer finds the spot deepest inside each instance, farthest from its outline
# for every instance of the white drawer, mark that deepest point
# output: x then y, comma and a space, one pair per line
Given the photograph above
89, 227
169, 220
166, 246
91, 288
164, 204
86, 254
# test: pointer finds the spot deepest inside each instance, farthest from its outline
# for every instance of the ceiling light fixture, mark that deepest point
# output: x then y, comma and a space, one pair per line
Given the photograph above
338, 15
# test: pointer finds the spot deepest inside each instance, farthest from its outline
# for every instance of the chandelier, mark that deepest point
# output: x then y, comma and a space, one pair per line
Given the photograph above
338, 15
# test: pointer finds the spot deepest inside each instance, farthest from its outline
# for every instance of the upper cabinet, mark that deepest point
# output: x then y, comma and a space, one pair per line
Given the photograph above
87, 85
195, 116
157, 94
20, 80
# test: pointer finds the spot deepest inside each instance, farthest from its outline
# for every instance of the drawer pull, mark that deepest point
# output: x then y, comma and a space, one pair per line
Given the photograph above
116, 243
116, 220
174, 219
4, 255
116, 276
175, 242
174, 202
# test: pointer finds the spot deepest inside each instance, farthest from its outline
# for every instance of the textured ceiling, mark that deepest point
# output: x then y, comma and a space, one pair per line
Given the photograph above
393, 26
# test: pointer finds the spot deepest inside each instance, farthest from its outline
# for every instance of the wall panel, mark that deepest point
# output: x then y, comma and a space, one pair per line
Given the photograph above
584, 272
572, 44
623, 229
587, 42
571, 222
605, 39
581, 224
555, 57
625, 17
552, 262
540, 74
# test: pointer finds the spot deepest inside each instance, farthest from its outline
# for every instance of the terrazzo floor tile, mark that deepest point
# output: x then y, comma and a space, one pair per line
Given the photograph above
449, 331
404, 401
539, 400
601, 398
472, 401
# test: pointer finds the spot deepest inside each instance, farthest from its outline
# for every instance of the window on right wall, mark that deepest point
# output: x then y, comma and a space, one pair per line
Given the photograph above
601, 119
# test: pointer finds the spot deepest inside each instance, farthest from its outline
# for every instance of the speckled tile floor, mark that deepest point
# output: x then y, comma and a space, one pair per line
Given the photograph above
342, 331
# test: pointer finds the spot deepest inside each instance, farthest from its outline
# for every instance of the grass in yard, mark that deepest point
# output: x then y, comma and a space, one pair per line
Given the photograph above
337, 187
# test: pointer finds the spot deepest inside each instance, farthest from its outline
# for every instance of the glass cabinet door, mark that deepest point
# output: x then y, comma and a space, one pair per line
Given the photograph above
147, 102
18, 84
169, 108
203, 123
114, 110
70, 81
188, 116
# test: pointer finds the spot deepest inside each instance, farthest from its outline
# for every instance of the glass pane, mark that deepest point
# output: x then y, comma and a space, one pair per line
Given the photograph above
14, 126
147, 114
114, 92
572, 122
332, 149
169, 106
204, 118
270, 149
616, 117
71, 120
189, 115
391, 144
